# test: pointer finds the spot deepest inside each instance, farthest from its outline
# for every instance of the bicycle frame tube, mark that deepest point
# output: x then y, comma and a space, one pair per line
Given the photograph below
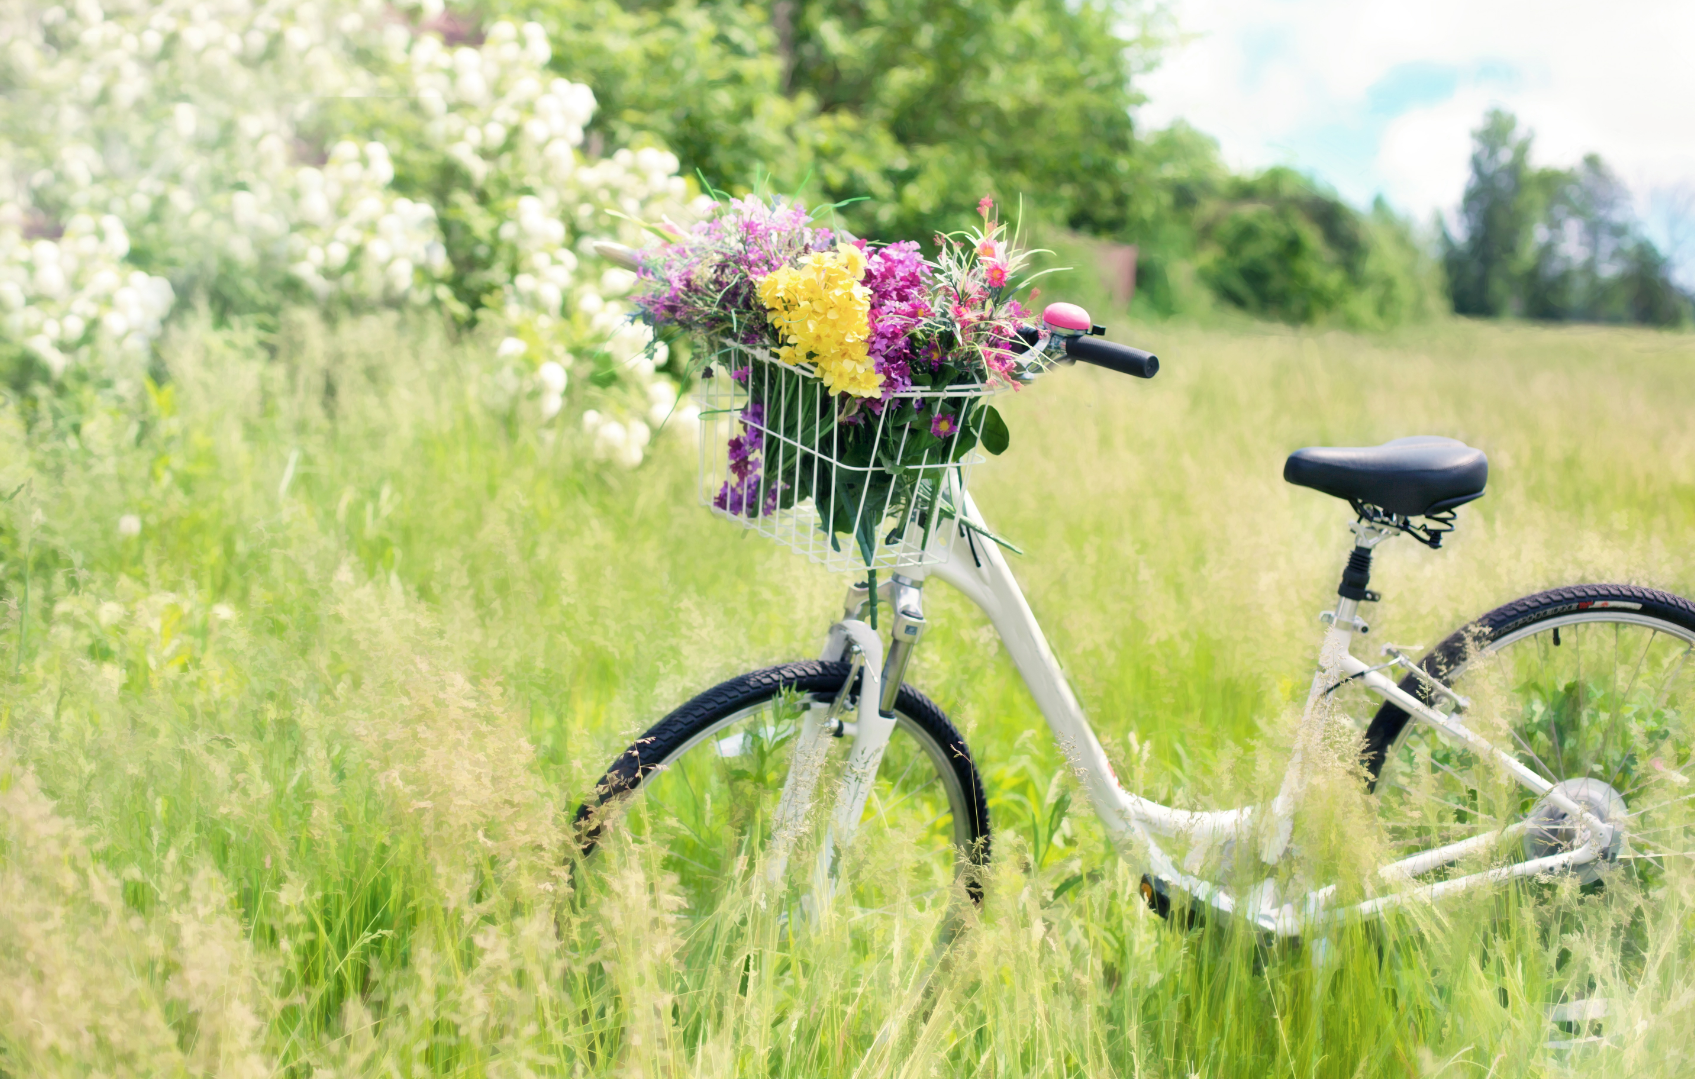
978, 569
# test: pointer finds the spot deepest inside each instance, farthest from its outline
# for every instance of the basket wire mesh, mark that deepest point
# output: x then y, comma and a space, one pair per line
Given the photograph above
874, 489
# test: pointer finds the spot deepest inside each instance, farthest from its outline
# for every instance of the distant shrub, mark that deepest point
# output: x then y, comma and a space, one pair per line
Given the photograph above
1271, 260
1279, 246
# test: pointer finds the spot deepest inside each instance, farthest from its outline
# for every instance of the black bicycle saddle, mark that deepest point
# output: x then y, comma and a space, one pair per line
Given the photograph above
1412, 477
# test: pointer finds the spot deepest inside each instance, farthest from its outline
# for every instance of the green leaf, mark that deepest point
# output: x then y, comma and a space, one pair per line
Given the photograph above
995, 435
1068, 884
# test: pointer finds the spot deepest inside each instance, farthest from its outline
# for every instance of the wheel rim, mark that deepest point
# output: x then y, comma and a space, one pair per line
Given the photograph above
708, 817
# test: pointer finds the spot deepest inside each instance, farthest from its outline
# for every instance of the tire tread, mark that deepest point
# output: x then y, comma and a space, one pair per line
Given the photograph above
1391, 719
648, 752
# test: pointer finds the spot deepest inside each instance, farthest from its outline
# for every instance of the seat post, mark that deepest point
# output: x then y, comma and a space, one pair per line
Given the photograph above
1356, 575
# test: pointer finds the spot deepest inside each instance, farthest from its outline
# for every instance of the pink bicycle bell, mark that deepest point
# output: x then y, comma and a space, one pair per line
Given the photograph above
1066, 319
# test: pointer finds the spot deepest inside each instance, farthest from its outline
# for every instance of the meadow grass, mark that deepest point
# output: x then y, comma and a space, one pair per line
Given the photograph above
287, 776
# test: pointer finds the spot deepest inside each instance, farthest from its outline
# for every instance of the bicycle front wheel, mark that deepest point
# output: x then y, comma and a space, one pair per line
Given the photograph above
704, 788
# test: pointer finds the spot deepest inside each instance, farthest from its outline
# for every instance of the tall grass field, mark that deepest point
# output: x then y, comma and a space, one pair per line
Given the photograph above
287, 771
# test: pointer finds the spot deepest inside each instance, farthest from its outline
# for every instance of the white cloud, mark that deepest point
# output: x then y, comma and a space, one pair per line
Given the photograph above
1423, 155
1291, 81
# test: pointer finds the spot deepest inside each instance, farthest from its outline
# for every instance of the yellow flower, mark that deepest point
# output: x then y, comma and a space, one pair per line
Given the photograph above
823, 315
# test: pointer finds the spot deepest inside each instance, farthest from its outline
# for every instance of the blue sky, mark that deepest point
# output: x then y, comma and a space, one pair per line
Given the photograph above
1379, 98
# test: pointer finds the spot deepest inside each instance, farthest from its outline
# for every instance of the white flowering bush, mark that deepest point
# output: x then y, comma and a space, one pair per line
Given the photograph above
76, 296
341, 154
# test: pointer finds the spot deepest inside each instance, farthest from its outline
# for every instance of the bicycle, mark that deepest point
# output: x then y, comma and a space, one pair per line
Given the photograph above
1509, 751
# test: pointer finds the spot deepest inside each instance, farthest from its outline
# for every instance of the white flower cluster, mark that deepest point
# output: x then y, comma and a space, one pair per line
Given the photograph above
61, 297
177, 123
350, 236
497, 112
186, 125
624, 441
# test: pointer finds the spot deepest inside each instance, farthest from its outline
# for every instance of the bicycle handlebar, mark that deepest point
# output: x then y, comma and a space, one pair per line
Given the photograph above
1121, 358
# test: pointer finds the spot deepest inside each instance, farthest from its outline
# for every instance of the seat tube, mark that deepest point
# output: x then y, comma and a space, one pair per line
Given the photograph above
1344, 621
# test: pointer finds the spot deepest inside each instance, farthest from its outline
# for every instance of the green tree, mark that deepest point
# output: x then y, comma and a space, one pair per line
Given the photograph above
1498, 214
1553, 243
1279, 250
1018, 97
919, 107
1646, 291
1586, 227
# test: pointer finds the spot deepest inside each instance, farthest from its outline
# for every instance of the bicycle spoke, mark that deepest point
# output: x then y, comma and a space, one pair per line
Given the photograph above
1667, 682
911, 763
1636, 672
1461, 780
1635, 838
1661, 805
1433, 798
1546, 771
892, 806
1577, 645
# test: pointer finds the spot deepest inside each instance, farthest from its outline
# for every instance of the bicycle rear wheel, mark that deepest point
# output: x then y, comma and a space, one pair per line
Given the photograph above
704, 785
1593, 688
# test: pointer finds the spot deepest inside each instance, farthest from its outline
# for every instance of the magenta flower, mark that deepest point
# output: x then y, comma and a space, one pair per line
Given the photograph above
898, 278
942, 425
994, 272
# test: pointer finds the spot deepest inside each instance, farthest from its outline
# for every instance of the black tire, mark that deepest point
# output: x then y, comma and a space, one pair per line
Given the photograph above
720, 706
1446, 658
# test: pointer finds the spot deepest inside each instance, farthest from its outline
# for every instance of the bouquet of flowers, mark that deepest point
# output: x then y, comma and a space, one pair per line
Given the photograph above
857, 375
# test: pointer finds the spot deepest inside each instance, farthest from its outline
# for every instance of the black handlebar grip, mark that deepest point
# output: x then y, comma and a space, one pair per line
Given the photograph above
1121, 358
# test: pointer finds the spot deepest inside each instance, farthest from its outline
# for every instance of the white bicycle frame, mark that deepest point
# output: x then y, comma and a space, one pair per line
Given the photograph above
978, 569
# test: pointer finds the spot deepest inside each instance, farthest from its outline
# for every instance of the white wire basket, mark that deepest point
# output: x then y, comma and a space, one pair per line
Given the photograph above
878, 489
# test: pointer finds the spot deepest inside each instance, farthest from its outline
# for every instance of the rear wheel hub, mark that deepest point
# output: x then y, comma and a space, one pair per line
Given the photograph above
1554, 831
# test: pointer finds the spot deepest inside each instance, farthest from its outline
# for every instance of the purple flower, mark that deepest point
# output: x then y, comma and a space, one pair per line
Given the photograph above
942, 425
897, 273
704, 283
898, 278
740, 494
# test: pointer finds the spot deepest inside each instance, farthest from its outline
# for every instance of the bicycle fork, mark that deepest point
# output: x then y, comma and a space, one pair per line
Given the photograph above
880, 678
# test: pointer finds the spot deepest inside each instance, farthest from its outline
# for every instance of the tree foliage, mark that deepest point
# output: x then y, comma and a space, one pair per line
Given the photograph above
919, 107
1275, 244
1552, 243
